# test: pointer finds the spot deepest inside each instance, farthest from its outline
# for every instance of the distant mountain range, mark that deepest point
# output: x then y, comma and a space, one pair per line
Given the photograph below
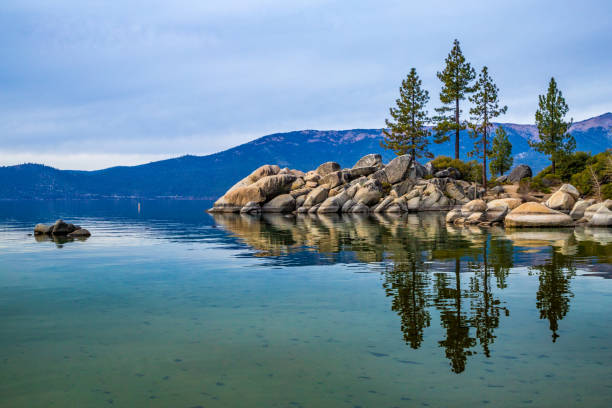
208, 177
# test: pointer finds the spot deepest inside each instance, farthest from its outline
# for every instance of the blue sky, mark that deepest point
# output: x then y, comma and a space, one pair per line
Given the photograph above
90, 84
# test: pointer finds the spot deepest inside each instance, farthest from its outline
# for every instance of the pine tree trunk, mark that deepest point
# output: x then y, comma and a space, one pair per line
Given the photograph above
484, 161
553, 165
457, 129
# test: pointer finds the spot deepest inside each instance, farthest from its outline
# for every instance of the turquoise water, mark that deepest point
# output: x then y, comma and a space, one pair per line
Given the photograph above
171, 307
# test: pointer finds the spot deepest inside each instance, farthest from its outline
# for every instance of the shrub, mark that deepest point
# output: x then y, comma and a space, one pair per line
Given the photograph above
601, 165
470, 171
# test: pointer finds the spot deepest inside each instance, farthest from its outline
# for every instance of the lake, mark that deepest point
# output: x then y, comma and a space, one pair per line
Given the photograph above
167, 306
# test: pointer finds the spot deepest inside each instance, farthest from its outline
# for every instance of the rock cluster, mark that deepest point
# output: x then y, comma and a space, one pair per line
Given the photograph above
401, 185
61, 228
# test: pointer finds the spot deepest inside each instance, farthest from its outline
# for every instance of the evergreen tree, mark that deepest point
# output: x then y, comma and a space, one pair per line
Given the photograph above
406, 132
501, 152
555, 141
456, 78
486, 107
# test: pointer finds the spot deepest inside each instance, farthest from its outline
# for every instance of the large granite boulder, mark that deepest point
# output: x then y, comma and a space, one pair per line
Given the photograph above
580, 207
262, 190
571, 190
335, 179
537, 215
333, 204
283, 203
452, 215
591, 210
511, 203
561, 201
519, 172
251, 208
316, 196
263, 171
473, 206
398, 168
370, 193
369, 160
361, 171
449, 172
601, 218
380, 175
328, 167
456, 192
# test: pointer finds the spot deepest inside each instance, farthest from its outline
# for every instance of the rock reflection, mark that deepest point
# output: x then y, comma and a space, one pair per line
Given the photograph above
59, 240
430, 269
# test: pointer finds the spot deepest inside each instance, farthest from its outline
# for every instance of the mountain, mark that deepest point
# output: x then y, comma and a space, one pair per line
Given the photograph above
210, 176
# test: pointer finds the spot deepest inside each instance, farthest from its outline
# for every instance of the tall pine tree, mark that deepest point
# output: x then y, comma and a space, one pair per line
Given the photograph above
406, 131
501, 152
456, 78
486, 107
555, 141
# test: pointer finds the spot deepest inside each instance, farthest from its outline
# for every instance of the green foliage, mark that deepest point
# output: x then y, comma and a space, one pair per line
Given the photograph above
601, 164
470, 171
386, 187
486, 107
406, 131
456, 78
573, 169
555, 141
501, 153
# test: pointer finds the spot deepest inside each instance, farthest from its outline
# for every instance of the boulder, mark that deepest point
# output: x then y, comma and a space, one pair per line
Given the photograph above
601, 218
62, 228
455, 191
300, 192
347, 206
297, 184
299, 201
502, 179
383, 204
511, 203
370, 193
452, 215
251, 208
472, 207
335, 179
263, 171
449, 172
397, 169
80, 233
262, 190
580, 207
361, 171
537, 215
316, 196
312, 176
333, 204
326, 168
403, 187
571, 190
379, 175
42, 229
369, 160
280, 204
414, 203
360, 208
475, 218
497, 190
314, 209
560, 201
519, 172
496, 214
591, 210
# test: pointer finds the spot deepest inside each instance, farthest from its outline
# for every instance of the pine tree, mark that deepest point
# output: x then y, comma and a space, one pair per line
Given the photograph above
486, 107
501, 152
456, 78
555, 141
406, 132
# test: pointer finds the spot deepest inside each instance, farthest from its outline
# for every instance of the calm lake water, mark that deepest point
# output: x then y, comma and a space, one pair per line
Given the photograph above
171, 307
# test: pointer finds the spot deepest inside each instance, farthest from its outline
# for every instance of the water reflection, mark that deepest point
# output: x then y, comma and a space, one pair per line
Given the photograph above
429, 269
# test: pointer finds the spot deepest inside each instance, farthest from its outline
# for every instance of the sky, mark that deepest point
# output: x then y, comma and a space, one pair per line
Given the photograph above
93, 84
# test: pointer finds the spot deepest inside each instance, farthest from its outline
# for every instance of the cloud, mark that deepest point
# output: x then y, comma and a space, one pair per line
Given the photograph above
138, 80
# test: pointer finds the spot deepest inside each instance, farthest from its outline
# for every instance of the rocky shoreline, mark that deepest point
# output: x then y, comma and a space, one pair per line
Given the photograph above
403, 185
61, 229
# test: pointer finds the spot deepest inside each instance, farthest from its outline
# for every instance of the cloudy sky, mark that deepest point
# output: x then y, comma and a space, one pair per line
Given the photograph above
91, 84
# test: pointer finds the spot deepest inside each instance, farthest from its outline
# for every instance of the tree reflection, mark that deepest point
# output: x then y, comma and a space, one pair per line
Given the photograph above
553, 295
431, 268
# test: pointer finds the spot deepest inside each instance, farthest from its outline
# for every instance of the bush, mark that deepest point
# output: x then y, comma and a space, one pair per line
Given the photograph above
602, 166
470, 171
